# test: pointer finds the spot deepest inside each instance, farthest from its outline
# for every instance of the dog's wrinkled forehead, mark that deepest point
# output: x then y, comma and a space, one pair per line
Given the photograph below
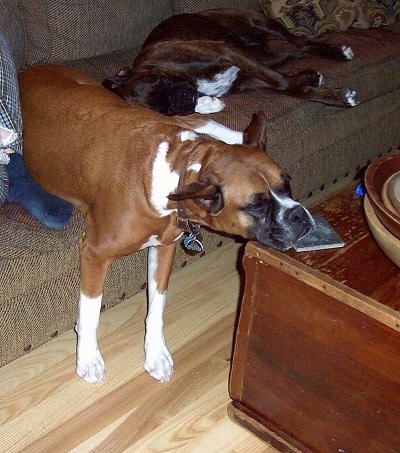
251, 178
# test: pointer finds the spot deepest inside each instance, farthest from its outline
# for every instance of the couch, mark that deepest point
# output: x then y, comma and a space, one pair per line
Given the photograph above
321, 147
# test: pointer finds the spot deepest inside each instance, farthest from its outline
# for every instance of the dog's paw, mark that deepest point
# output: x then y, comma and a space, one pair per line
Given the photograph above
209, 104
347, 52
159, 364
350, 97
91, 368
307, 78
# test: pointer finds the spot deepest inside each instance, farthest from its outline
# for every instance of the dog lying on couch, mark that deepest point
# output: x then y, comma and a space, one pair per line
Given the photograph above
144, 180
189, 61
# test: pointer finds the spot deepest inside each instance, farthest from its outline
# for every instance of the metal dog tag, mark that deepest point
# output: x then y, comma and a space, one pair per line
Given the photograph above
193, 243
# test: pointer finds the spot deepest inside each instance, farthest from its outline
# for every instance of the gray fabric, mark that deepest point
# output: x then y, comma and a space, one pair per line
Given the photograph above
12, 28
188, 6
58, 30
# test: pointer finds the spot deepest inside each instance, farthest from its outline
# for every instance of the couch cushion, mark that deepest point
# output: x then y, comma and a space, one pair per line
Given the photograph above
303, 136
58, 30
189, 6
374, 13
320, 145
313, 18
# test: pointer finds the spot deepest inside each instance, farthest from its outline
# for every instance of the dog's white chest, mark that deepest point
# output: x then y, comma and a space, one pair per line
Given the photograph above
219, 84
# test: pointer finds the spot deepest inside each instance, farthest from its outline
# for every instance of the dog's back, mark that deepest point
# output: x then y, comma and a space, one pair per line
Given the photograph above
70, 126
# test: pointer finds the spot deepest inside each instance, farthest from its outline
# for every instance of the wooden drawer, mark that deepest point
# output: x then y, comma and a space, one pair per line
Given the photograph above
316, 364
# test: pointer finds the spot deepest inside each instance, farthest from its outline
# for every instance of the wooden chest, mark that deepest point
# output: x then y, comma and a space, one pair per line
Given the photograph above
316, 364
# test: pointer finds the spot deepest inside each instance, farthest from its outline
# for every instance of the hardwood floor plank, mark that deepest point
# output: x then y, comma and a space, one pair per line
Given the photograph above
45, 407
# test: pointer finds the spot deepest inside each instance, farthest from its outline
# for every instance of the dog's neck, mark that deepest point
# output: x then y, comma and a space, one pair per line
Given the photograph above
184, 223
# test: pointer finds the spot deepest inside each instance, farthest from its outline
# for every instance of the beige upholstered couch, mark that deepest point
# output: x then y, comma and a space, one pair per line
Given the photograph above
320, 146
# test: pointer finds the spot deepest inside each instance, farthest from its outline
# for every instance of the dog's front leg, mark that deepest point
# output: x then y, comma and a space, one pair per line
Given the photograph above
89, 362
158, 361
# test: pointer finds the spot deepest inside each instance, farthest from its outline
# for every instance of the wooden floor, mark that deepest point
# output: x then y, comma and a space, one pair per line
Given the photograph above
45, 407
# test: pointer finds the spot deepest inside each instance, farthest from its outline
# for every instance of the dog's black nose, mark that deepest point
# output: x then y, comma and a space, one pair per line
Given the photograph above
299, 220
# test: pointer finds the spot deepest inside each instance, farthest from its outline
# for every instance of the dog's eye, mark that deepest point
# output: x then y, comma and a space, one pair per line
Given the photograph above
258, 207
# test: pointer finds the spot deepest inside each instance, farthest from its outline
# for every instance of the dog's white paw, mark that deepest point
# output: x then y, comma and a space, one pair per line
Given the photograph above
347, 52
209, 104
351, 97
159, 364
91, 367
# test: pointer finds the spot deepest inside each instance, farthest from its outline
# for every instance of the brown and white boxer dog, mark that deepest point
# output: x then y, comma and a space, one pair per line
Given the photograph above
190, 60
143, 180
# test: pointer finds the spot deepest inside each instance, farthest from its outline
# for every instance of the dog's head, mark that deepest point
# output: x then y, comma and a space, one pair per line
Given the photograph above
241, 190
164, 93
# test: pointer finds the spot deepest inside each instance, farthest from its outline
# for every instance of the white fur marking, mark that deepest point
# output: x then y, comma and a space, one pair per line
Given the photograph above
196, 167
286, 203
351, 97
221, 132
153, 241
219, 84
347, 52
158, 361
164, 181
89, 362
208, 104
187, 135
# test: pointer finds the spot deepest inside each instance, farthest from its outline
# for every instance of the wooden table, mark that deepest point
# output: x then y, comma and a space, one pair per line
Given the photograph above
316, 364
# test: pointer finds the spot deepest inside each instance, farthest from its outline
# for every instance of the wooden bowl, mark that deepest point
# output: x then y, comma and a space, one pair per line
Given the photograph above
376, 176
388, 243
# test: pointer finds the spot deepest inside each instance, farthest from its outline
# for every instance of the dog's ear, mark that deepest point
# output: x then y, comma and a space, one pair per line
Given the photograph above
208, 196
112, 83
256, 132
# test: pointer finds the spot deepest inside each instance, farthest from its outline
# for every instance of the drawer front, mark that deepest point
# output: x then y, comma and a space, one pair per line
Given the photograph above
320, 374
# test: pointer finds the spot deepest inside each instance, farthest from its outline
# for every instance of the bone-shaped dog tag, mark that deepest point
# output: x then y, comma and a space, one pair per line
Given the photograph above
193, 243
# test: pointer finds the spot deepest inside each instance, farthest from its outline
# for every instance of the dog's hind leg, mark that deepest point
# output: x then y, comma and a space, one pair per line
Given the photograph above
158, 361
339, 97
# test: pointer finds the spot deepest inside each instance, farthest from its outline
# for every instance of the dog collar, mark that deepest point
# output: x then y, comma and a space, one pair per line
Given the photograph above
192, 239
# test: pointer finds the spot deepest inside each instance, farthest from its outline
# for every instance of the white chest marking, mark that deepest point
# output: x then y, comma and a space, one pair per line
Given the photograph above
153, 241
219, 84
196, 167
164, 181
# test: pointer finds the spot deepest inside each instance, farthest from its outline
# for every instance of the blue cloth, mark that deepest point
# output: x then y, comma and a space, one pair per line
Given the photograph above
15, 183
51, 211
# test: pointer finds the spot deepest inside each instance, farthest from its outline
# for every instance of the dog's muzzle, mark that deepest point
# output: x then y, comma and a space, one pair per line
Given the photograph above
287, 222
181, 98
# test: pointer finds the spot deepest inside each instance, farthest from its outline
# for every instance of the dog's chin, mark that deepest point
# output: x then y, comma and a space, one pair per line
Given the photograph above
280, 242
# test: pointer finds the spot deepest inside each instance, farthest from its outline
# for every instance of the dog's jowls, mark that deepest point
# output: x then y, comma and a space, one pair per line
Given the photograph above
190, 61
128, 168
